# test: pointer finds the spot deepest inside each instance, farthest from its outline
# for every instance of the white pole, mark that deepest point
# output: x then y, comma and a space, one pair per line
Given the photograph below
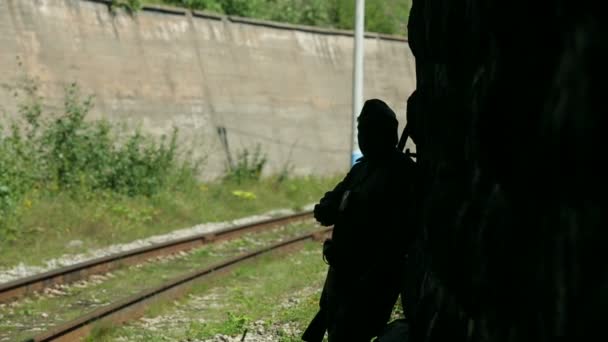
357, 75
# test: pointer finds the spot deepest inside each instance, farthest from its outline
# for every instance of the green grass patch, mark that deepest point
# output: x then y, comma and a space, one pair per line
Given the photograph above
50, 222
64, 177
279, 290
41, 312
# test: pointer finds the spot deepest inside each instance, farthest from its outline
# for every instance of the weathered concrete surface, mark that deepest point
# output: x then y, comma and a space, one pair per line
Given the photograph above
288, 89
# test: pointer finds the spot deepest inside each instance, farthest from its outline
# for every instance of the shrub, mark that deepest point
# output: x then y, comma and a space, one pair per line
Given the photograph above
385, 16
66, 153
131, 6
248, 166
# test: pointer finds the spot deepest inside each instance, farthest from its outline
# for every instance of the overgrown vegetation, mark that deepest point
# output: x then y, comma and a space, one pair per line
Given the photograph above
28, 316
282, 290
384, 16
248, 166
131, 6
97, 183
64, 153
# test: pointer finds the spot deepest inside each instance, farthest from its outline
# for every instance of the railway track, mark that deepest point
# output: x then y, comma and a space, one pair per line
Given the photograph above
22, 287
135, 306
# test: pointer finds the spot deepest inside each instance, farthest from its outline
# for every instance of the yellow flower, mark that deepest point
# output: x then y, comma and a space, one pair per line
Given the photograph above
27, 203
244, 194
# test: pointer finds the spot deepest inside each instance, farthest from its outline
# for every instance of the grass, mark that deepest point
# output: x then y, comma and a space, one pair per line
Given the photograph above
259, 291
19, 319
66, 178
231, 304
49, 223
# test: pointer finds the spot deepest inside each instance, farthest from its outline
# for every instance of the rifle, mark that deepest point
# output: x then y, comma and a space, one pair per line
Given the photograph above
403, 139
317, 327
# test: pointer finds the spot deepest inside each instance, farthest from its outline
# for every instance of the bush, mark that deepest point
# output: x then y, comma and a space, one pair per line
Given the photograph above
384, 16
248, 166
131, 6
66, 153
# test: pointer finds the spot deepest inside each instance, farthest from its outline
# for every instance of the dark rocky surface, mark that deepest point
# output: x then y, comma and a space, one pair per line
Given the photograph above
509, 121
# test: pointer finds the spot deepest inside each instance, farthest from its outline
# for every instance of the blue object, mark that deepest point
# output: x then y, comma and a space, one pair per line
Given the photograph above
355, 157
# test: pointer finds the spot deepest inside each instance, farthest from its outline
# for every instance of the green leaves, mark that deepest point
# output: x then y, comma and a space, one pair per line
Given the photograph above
131, 6
248, 166
383, 16
66, 153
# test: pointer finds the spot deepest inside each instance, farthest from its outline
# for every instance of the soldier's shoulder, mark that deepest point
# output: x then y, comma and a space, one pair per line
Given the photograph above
358, 166
359, 163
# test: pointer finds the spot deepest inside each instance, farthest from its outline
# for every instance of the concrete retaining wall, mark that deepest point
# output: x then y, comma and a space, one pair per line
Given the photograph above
285, 87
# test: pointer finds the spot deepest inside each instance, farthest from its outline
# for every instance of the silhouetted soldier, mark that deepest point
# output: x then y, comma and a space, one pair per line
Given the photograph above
368, 209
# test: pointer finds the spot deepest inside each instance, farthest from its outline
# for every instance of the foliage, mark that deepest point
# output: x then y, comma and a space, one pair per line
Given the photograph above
64, 175
235, 323
248, 166
131, 6
66, 153
384, 16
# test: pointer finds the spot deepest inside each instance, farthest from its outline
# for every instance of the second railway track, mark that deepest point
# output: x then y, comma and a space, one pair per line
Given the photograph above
22, 287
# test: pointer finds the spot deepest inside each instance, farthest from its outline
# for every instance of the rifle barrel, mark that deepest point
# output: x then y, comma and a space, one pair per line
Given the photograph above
404, 135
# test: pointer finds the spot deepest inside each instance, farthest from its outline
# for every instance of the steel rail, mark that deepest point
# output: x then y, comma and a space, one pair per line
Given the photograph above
135, 306
22, 287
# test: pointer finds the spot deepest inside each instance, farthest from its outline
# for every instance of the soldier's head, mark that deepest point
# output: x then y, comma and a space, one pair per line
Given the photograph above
377, 128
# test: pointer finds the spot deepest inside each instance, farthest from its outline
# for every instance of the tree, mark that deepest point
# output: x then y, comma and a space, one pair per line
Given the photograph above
383, 16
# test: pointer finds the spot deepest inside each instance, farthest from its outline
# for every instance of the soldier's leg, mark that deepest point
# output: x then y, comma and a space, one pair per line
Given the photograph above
362, 315
344, 329
376, 302
350, 326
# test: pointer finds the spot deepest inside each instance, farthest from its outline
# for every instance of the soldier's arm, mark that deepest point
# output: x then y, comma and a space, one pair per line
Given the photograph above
326, 211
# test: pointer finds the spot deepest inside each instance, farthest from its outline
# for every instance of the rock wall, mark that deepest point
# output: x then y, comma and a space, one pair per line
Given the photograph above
508, 120
285, 87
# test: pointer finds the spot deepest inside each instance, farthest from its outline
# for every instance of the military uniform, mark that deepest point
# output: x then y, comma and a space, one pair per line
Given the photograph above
367, 250
367, 247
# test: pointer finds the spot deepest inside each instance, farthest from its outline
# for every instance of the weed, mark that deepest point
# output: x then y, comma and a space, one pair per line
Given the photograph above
235, 323
257, 291
248, 167
100, 332
64, 153
64, 176
131, 6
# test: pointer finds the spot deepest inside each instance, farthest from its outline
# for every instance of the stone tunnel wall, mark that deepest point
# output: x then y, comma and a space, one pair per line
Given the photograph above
509, 120
285, 87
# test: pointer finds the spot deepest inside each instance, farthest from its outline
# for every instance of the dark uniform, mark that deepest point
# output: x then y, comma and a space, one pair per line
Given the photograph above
367, 248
